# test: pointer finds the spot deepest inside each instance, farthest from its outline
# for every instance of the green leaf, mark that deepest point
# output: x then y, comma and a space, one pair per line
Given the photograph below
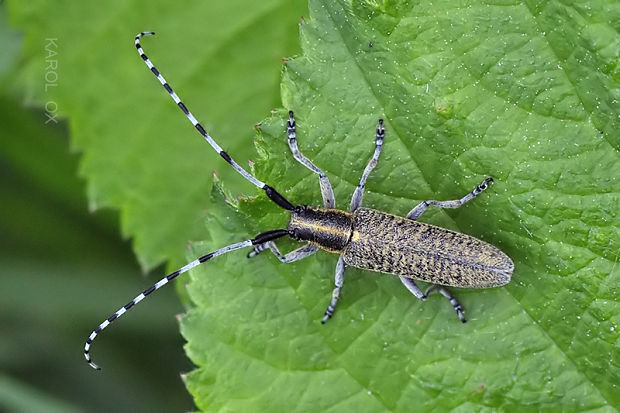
523, 92
140, 155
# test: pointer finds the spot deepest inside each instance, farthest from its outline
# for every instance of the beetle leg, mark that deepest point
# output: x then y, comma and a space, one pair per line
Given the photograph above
258, 249
421, 207
455, 304
356, 199
415, 214
338, 281
259, 239
326, 188
413, 288
295, 255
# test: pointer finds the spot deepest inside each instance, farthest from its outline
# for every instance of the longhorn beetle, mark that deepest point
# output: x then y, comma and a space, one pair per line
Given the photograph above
364, 238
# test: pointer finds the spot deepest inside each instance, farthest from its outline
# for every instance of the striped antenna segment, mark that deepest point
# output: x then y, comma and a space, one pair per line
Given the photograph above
271, 193
259, 239
155, 287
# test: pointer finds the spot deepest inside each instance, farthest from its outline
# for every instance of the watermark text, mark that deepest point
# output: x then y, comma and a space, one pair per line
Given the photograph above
51, 77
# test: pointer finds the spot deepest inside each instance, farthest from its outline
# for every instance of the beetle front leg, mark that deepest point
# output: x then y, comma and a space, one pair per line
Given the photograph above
422, 206
338, 281
295, 255
329, 201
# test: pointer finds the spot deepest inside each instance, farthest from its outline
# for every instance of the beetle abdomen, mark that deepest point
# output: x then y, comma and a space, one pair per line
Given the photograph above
396, 245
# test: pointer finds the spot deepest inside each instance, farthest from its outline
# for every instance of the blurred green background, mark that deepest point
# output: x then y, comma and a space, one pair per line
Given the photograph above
60, 267
64, 269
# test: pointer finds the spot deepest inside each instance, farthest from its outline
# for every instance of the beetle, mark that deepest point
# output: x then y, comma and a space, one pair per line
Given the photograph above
364, 238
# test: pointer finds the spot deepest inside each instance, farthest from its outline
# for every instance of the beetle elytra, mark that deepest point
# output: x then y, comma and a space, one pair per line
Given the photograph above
364, 238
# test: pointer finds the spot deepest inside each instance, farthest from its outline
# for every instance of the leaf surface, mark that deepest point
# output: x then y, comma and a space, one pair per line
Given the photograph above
468, 90
524, 91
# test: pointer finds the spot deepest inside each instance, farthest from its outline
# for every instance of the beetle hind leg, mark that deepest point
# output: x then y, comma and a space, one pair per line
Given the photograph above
455, 304
415, 290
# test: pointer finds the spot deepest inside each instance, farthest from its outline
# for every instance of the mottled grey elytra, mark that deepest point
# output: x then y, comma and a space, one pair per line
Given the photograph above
364, 238
376, 241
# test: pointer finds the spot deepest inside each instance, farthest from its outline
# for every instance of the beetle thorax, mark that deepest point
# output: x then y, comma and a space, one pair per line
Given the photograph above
329, 229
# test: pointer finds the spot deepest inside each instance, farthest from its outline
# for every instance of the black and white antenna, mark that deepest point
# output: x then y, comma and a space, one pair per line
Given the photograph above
259, 239
271, 193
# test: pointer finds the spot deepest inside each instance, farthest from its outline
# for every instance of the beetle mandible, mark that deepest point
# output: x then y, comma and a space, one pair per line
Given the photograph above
364, 238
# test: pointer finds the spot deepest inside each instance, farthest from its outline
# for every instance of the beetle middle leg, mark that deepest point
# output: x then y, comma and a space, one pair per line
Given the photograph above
358, 195
422, 206
356, 201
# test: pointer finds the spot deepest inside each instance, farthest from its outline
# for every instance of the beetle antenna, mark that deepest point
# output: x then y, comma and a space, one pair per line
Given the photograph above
271, 193
259, 239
